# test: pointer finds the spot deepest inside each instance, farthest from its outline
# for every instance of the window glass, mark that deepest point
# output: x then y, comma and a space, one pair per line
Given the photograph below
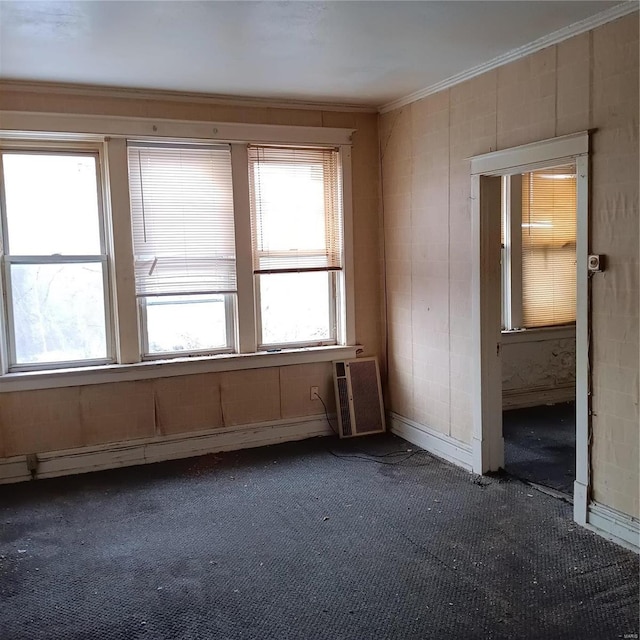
58, 312
295, 307
292, 207
56, 304
185, 323
549, 247
51, 204
297, 235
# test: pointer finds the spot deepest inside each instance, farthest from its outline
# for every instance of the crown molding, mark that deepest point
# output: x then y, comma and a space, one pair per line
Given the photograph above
618, 11
176, 96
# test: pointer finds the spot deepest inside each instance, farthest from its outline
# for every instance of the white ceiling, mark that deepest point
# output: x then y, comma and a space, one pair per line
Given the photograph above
361, 53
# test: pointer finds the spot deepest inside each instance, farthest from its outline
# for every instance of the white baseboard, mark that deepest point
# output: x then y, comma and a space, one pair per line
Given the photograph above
523, 398
614, 525
432, 441
135, 452
14, 469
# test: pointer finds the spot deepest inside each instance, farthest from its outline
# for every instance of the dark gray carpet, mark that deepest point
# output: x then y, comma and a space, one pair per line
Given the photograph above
292, 542
540, 445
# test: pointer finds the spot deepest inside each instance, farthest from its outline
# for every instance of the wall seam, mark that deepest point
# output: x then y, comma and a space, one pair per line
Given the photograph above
496, 123
449, 249
411, 157
555, 113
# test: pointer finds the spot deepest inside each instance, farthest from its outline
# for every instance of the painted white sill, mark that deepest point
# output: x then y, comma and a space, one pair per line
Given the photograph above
538, 335
54, 379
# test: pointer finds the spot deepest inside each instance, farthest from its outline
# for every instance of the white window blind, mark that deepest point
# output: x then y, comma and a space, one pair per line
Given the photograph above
549, 247
182, 219
296, 210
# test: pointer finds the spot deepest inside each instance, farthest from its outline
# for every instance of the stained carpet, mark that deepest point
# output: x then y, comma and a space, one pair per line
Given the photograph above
540, 445
297, 541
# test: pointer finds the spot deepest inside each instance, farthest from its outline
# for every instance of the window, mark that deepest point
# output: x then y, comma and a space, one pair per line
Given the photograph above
55, 262
184, 247
171, 240
539, 248
296, 223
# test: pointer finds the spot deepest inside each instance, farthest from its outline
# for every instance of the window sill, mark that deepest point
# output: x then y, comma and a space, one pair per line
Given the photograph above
32, 380
541, 334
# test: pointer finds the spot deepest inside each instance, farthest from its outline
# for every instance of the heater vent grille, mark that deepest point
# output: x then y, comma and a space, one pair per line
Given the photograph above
343, 403
359, 397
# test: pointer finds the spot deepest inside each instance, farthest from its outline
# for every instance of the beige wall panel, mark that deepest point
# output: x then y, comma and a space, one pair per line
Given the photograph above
39, 421
614, 464
339, 119
367, 235
117, 411
187, 403
615, 232
573, 77
527, 99
365, 138
295, 117
250, 396
295, 386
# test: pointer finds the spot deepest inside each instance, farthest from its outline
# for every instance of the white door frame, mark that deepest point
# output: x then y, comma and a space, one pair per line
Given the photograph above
488, 443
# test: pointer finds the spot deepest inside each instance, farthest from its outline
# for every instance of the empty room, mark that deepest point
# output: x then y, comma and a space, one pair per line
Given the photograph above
319, 320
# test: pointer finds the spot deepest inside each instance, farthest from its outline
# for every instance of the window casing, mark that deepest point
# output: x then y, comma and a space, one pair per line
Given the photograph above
184, 248
242, 311
539, 248
297, 244
55, 263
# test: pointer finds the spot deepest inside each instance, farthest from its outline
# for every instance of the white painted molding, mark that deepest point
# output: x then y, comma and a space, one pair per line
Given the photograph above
592, 22
536, 396
614, 525
82, 90
541, 334
22, 124
580, 502
439, 444
54, 379
531, 155
136, 452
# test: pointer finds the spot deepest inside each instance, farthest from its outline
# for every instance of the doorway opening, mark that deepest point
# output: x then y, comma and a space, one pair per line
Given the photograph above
538, 312
533, 324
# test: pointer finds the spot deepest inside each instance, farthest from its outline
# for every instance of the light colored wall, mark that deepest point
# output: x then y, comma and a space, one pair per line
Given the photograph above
538, 371
66, 418
48, 420
587, 82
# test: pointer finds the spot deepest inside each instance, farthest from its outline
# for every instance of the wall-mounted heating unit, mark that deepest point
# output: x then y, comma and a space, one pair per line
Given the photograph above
358, 397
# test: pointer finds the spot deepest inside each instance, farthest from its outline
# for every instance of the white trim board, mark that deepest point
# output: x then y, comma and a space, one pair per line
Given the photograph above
136, 452
151, 369
22, 124
439, 444
597, 20
555, 150
614, 525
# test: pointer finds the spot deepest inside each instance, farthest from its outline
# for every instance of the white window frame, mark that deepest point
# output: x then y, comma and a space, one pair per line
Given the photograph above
109, 134
142, 301
336, 286
229, 347
8, 345
333, 277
